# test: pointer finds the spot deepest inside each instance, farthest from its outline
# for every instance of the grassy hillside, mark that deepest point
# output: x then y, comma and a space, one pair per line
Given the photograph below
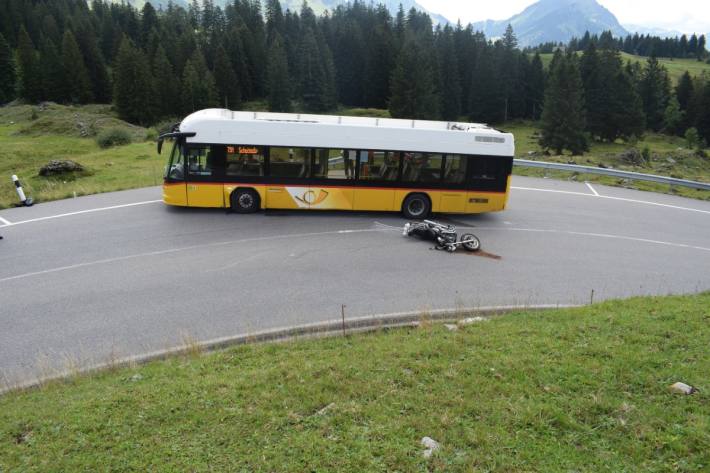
668, 157
30, 137
571, 390
676, 67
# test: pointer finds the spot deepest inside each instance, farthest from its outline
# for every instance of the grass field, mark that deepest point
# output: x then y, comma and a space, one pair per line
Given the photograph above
26, 144
668, 157
676, 67
570, 390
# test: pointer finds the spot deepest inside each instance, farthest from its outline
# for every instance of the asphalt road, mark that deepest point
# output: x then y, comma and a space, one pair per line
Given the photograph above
80, 287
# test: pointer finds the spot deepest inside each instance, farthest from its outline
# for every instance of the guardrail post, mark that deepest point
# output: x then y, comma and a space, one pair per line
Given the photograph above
26, 201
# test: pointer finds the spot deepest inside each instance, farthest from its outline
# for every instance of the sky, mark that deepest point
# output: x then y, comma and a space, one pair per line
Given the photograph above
687, 16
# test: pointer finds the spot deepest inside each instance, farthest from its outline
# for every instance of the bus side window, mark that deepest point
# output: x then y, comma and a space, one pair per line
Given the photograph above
245, 161
455, 169
379, 165
483, 167
200, 161
289, 162
422, 167
332, 164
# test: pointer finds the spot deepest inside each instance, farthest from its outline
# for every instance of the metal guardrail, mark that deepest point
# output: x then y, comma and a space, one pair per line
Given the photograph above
613, 172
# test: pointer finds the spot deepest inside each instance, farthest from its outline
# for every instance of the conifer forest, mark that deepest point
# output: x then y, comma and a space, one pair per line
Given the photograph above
157, 64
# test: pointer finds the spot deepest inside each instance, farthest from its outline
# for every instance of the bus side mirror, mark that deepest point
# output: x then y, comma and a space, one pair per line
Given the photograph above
160, 146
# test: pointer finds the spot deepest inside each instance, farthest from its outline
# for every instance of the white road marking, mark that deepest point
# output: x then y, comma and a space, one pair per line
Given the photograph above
592, 189
5, 222
79, 212
334, 232
176, 250
598, 235
622, 199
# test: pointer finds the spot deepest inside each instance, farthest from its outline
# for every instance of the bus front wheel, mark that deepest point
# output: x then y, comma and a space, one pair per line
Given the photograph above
416, 206
245, 201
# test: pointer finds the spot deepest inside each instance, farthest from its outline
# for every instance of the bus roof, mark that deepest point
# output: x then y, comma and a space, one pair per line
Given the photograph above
221, 126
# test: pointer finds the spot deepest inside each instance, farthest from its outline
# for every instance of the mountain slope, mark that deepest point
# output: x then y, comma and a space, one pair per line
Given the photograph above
555, 20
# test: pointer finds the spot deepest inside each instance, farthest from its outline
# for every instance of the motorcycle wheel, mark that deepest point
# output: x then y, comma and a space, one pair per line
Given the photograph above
472, 242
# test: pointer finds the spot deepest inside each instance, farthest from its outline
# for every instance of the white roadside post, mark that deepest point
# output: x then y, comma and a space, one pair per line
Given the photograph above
27, 202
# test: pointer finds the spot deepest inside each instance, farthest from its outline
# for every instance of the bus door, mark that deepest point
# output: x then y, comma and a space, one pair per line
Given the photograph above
174, 190
453, 197
379, 169
289, 169
204, 176
333, 173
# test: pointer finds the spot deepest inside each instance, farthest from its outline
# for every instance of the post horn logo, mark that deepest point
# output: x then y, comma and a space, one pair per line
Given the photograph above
309, 197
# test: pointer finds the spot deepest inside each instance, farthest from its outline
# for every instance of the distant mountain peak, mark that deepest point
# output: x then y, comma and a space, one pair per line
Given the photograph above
555, 21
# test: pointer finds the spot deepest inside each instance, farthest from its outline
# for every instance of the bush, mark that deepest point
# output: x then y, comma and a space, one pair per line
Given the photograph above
151, 134
113, 137
646, 154
692, 138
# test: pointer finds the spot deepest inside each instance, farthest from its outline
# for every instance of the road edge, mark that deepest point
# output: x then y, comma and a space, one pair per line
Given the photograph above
329, 328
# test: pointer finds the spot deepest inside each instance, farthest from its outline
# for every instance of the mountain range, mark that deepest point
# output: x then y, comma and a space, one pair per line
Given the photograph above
555, 21
544, 21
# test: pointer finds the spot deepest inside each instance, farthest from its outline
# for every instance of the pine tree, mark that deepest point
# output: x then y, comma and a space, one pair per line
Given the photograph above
487, 100
279, 83
535, 93
95, 64
133, 84
76, 76
684, 90
198, 85
655, 92
595, 102
449, 73
274, 20
619, 109
314, 89
53, 81
226, 80
149, 22
702, 120
673, 117
237, 57
7, 72
412, 85
29, 77
191, 93
166, 87
563, 114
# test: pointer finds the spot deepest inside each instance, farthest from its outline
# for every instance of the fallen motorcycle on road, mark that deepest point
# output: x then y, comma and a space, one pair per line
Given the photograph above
444, 236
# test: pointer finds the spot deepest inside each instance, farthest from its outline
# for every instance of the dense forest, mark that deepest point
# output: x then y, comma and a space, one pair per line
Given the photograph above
680, 47
156, 64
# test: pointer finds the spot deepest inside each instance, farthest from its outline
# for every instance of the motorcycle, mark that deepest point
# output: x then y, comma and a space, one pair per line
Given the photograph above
443, 235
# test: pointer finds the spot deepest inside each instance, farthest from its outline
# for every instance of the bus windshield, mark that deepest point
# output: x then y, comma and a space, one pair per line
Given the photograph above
175, 168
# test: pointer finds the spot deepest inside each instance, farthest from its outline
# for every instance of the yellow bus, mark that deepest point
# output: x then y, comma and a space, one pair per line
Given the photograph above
248, 161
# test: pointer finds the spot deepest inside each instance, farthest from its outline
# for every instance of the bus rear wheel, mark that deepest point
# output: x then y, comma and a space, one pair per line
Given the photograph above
245, 201
416, 206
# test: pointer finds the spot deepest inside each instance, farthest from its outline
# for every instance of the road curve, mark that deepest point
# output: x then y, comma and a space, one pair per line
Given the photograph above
106, 276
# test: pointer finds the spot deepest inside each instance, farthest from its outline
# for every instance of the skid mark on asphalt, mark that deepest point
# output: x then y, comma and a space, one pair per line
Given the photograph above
483, 254
184, 248
620, 199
